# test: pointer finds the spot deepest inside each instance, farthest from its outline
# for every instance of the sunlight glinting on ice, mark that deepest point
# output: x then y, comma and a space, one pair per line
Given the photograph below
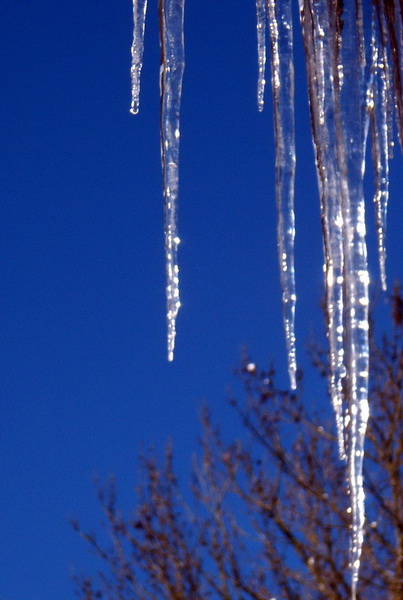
346, 96
354, 62
172, 67
282, 76
378, 99
171, 18
335, 59
261, 14
139, 21
323, 76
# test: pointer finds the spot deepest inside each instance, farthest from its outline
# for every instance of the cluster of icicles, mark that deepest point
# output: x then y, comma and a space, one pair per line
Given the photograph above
354, 61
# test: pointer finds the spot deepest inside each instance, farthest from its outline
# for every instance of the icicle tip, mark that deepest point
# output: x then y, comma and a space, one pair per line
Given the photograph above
135, 107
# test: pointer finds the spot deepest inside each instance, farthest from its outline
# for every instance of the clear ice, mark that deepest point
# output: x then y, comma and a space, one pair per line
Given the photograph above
282, 76
261, 50
354, 62
338, 82
172, 66
353, 54
139, 22
171, 19
379, 98
320, 40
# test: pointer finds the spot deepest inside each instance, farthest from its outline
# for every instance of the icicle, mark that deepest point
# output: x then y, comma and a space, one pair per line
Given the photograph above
261, 50
139, 20
321, 45
382, 46
345, 97
172, 66
281, 37
380, 145
353, 117
390, 13
335, 59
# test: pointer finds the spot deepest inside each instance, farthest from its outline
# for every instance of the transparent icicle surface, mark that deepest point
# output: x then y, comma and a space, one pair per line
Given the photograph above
261, 50
139, 20
379, 99
353, 124
390, 21
282, 75
172, 66
321, 44
335, 57
354, 60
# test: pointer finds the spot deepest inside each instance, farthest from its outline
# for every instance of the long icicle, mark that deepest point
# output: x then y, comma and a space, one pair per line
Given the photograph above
380, 144
335, 59
282, 68
171, 14
139, 21
321, 44
352, 123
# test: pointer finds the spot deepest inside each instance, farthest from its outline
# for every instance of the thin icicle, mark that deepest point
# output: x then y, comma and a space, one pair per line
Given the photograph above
261, 50
282, 64
380, 146
390, 13
384, 45
172, 66
321, 45
139, 21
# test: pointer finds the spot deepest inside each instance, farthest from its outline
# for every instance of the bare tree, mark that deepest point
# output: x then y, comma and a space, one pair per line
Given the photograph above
269, 514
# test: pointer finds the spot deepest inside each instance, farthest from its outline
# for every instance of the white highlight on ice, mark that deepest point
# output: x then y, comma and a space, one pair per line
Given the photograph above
282, 76
171, 17
261, 13
172, 67
353, 60
139, 21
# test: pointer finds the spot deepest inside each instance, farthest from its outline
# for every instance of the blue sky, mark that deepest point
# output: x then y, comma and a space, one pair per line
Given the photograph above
84, 379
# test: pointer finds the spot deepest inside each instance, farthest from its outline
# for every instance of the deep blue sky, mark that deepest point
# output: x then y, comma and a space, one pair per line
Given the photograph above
84, 377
